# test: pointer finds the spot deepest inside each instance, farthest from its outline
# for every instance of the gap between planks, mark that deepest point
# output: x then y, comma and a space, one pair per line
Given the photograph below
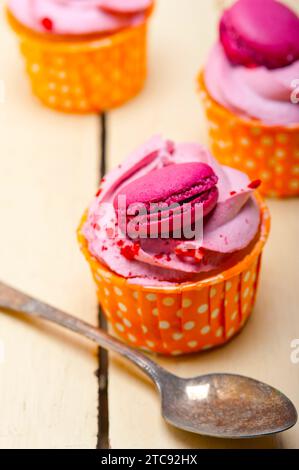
103, 370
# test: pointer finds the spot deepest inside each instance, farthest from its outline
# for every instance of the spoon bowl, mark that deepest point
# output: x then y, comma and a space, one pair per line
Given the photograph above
218, 405
226, 406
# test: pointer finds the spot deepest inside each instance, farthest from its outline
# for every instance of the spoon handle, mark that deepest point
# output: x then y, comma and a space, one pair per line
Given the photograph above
15, 301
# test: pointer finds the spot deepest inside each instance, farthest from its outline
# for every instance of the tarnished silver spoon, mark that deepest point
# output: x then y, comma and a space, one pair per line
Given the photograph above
218, 405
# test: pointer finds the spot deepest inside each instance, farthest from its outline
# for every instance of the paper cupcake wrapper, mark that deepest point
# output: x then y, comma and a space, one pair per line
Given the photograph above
184, 318
91, 75
270, 153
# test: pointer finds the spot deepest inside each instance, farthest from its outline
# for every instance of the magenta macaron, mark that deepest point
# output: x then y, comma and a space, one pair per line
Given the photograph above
180, 185
260, 32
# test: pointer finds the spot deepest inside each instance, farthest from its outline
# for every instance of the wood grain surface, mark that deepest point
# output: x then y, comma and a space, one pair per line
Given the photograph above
50, 166
49, 172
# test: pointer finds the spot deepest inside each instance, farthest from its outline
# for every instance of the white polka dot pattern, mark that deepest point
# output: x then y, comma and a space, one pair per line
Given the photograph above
203, 309
168, 301
122, 307
187, 303
164, 325
189, 325
118, 291
151, 297
205, 330
215, 313
177, 336
198, 325
206, 318
97, 76
269, 153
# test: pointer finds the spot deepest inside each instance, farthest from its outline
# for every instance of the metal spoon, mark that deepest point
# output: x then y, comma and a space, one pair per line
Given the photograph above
218, 405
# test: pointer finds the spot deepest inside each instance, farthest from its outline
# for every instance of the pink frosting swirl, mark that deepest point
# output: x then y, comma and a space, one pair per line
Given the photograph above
227, 233
259, 93
78, 17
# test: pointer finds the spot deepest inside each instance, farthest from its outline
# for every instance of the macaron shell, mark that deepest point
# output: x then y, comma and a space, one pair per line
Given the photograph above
163, 184
260, 32
148, 158
168, 186
173, 220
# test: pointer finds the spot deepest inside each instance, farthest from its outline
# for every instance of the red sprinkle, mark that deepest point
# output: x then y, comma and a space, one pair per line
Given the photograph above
181, 252
109, 232
47, 23
196, 254
199, 254
120, 243
130, 251
99, 192
170, 147
255, 184
232, 193
159, 256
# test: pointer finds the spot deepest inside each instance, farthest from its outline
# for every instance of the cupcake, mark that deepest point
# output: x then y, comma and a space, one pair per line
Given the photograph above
174, 241
250, 89
83, 56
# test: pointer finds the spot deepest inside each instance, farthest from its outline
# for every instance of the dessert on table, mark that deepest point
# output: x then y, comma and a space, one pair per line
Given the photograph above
250, 89
174, 241
83, 55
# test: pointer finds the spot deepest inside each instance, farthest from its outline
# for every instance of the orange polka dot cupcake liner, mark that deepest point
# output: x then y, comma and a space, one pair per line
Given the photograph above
270, 153
87, 75
185, 318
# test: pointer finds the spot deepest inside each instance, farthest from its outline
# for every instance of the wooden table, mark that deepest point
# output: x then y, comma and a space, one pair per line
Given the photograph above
50, 167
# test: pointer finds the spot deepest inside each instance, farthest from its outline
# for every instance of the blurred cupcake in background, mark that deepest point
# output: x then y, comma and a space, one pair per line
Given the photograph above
250, 89
83, 55
165, 291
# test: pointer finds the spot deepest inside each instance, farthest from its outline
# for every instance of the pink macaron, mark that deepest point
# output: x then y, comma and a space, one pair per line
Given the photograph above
260, 32
167, 195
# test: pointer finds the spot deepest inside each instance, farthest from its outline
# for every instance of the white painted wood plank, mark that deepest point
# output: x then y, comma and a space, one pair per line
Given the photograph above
49, 167
181, 35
